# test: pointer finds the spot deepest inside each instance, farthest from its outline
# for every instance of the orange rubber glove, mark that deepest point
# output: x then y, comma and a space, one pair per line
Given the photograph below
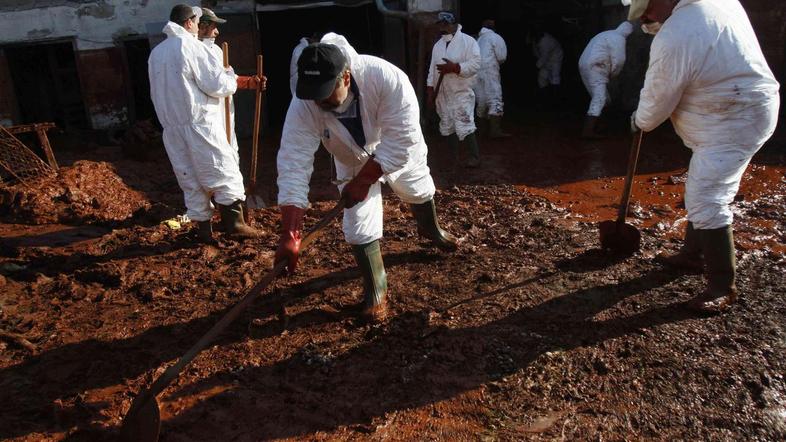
291, 234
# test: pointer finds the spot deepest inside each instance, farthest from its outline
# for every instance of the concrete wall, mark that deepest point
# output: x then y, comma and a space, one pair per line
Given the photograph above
95, 27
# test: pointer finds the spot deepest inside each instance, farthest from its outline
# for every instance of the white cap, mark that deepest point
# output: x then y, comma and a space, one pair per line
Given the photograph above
637, 7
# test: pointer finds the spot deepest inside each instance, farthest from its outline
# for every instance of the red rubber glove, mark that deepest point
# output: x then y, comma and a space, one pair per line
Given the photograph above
253, 82
291, 234
357, 190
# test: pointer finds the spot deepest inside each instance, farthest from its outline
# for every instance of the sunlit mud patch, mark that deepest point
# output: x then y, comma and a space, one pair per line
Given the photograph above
83, 193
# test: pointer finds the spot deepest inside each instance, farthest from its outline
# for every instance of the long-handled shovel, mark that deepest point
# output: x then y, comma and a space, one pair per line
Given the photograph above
618, 236
253, 199
227, 116
143, 420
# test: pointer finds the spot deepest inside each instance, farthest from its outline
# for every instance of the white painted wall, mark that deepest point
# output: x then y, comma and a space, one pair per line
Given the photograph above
90, 31
429, 5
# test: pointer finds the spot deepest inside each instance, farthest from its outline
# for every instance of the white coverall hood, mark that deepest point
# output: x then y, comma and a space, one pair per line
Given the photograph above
456, 99
488, 88
708, 73
187, 87
603, 59
390, 116
293, 63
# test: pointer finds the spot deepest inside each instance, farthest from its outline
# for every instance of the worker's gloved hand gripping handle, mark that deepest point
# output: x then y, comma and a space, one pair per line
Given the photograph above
252, 82
291, 234
357, 190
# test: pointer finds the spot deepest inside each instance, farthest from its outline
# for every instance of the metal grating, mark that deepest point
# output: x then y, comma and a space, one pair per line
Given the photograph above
17, 162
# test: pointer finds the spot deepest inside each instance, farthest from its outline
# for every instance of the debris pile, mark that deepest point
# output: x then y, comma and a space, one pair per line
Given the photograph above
86, 192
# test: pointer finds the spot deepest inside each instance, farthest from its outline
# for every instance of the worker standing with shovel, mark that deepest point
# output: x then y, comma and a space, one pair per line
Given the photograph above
188, 85
363, 109
708, 74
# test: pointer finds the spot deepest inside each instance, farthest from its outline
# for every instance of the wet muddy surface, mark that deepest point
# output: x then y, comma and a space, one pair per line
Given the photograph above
529, 331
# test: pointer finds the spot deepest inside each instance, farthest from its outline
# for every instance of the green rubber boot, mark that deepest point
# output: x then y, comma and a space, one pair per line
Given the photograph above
719, 256
474, 150
375, 283
689, 256
428, 226
234, 223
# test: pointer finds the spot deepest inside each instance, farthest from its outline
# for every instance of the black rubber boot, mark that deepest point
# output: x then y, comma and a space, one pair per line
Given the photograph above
234, 223
428, 226
689, 256
588, 132
204, 232
495, 127
719, 257
471, 141
453, 145
375, 283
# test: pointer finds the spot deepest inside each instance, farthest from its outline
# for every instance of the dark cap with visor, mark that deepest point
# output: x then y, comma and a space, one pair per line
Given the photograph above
318, 69
210, 16
446, 17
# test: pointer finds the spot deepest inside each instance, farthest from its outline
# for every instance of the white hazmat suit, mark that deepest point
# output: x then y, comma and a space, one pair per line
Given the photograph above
218, 58
548, 54
456, 99
293, 63
488, 89
603, 59
391, 124
707, 72
187, 88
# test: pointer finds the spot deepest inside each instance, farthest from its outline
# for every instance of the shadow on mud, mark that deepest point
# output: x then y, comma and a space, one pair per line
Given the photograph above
311, 392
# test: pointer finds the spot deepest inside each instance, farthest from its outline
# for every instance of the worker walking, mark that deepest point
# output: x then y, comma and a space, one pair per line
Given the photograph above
548, 59
602, 60
488, 88
187, 87
363, 109
455, 59
707, 72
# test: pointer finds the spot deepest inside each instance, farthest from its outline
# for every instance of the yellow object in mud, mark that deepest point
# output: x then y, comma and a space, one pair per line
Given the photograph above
173, 224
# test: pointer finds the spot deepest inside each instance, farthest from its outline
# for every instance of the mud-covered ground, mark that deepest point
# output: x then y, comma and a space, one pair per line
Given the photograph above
528, 331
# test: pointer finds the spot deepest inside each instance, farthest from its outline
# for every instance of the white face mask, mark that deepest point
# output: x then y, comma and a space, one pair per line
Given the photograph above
447, 38
651, 28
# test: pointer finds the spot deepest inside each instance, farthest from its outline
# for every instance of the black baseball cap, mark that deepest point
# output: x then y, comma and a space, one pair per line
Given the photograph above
208, 16
318, 69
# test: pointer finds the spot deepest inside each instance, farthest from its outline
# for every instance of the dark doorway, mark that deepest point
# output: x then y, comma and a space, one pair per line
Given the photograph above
282, 30
46, 83
140, 106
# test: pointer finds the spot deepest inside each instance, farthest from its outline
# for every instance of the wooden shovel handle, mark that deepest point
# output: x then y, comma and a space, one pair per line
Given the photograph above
227, 116
632, 160
257, 115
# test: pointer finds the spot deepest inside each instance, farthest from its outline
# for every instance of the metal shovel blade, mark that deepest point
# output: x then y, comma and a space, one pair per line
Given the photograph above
142, 422
619, 237
254, 201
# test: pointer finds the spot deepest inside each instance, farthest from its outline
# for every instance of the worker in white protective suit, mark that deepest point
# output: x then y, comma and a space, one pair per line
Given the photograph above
488, 88
708, 74
455, 59
363, 109
208, 31
548, 59
602, 60
187, 88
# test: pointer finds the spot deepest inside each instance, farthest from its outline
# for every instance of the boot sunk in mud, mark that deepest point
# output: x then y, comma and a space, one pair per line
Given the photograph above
234, 223
717, 245
375, 283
